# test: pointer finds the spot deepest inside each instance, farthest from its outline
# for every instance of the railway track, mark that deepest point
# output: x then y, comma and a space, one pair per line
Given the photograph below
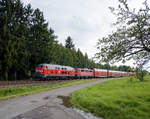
25, 83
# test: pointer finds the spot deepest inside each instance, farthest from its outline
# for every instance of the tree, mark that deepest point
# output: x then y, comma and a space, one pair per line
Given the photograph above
11, 33
40, 40
69, 43
114, 68
80, 59
125, 68
25, 39
132, 37
140, 74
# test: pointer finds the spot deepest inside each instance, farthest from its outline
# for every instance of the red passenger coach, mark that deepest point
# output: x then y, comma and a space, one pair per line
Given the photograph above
100, 73
131, 74
116, 73
53, 71
110, 73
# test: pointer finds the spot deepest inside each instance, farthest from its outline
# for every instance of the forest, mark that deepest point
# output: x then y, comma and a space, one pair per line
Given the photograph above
26, 40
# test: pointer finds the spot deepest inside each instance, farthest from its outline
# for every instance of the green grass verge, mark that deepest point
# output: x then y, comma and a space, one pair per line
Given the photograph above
14, 92
116, 99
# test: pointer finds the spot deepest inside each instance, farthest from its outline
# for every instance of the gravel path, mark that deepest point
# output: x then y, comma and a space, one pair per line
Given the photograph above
44, 105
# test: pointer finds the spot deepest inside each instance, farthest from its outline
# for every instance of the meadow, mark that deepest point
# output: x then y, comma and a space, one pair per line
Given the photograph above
122, 98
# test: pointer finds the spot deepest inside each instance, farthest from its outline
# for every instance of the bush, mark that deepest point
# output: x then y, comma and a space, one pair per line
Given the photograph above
140, 74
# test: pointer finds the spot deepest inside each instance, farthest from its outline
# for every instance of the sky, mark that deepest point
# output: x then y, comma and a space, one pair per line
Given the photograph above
85, 21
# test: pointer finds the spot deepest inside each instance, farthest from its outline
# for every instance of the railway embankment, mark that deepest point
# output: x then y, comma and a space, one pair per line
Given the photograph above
127, 98
22, 88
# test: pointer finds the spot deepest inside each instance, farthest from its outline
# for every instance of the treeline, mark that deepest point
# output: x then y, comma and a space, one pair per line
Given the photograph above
26, 41
118, 68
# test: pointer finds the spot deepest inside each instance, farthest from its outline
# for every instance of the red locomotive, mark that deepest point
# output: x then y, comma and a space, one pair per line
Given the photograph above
59, 71
54, 71
84, 73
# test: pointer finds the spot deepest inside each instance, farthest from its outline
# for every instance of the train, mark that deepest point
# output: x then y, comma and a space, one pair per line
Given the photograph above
53, 71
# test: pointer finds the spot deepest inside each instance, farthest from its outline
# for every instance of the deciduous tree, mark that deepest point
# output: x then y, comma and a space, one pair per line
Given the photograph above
132, 37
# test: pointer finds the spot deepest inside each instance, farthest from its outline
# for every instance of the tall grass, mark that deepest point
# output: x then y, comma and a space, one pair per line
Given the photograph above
116, 99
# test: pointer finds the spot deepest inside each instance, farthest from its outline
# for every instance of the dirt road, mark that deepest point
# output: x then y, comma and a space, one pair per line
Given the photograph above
44, 105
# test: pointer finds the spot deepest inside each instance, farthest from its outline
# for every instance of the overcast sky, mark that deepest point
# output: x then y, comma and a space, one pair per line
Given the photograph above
84, 20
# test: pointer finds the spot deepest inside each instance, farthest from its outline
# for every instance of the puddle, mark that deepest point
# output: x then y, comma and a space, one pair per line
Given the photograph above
33, 101
65, 101
21, 116
46, 98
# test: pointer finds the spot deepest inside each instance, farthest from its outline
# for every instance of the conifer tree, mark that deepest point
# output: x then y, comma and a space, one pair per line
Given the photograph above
69, 43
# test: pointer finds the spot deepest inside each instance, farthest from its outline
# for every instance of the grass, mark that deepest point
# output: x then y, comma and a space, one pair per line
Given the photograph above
15, 92
116, 99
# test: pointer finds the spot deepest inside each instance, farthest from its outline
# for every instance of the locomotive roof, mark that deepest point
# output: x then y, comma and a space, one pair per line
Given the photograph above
54, 66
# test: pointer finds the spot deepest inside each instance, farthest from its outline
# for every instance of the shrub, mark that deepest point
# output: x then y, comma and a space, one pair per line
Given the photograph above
140, 74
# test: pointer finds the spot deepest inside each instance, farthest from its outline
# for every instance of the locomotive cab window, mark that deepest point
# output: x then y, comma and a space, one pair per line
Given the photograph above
40, 66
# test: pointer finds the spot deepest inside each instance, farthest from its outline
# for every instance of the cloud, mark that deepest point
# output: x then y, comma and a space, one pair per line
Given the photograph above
26, 1
85, 21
